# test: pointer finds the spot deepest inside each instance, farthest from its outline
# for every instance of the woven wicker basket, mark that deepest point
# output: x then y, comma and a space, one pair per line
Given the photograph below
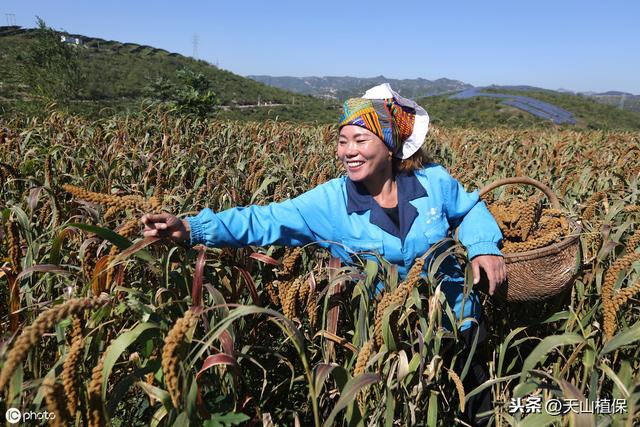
542, 273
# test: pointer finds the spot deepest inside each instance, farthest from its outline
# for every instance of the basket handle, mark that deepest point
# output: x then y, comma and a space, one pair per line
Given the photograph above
553, 199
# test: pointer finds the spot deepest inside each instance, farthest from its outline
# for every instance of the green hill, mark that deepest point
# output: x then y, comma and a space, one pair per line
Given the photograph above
481, 112
115, 75
588, 112
622, 100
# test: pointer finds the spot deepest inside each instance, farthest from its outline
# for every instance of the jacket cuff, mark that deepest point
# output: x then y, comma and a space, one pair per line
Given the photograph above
197, 226
483, 248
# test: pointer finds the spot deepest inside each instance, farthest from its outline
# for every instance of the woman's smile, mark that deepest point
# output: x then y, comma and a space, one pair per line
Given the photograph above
354, 165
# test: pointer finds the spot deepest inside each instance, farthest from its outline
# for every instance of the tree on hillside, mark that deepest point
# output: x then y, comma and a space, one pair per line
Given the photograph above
50, 67
189, 93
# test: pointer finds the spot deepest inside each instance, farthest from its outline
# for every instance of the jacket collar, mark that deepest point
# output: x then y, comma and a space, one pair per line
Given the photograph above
409, 188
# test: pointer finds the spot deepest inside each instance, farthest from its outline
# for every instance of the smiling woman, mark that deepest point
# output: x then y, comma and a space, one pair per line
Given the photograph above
397, 211
415, 162
367, 159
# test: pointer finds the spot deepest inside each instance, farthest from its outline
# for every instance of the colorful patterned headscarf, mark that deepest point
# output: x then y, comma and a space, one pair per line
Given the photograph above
399, 122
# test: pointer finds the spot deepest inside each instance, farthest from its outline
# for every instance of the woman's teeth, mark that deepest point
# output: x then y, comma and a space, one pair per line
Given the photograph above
354, 164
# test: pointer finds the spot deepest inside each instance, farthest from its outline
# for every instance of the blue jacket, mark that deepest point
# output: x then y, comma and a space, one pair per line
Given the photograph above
342, 216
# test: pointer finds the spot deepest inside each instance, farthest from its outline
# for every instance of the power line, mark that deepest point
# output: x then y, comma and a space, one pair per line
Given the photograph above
195, 46
11, 19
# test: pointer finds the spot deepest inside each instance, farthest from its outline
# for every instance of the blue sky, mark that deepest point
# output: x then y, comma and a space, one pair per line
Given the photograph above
582, 45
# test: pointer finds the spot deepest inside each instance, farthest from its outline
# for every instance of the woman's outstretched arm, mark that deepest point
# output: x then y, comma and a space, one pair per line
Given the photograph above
295, 222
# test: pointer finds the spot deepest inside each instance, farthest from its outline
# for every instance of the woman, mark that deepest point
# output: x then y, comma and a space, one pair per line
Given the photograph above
388, 203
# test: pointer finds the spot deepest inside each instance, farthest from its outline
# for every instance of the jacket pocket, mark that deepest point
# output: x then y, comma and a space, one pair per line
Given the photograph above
362, 247
437, 231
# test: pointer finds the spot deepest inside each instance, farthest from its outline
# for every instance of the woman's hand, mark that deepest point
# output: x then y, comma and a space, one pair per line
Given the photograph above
493, 266
166, 226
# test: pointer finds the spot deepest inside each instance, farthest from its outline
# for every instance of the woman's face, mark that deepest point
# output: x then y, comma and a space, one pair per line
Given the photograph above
363, 154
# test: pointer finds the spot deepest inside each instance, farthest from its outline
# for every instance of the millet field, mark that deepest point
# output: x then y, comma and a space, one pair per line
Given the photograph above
101, 326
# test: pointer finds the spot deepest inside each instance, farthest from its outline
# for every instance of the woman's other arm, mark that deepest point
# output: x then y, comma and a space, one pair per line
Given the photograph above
477, 230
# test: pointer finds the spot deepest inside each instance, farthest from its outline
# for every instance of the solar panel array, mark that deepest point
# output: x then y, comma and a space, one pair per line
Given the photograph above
530, 105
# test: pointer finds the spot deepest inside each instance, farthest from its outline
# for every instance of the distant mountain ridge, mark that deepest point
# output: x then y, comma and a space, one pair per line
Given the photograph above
339, 88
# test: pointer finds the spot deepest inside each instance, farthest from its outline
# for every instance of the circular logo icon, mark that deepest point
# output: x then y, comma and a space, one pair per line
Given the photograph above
13, 415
